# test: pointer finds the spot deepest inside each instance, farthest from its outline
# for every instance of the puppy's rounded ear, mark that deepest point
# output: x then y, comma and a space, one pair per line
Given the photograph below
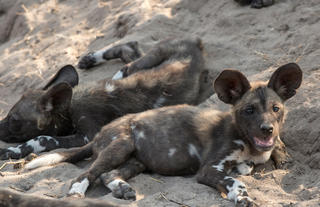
285, 80
231, 85
57, 98
66, 74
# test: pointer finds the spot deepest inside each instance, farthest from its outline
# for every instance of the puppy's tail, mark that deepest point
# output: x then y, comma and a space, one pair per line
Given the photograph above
69, 155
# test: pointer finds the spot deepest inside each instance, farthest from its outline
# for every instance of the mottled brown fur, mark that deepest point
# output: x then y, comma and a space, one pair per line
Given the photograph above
85, 109
184, 139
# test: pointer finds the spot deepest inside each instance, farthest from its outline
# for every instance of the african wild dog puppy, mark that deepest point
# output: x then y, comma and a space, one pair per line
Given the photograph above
258, 4
63, 117
183, 139
172, 50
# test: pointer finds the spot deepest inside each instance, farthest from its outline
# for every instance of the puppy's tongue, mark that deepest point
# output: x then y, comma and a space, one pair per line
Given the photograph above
264, 142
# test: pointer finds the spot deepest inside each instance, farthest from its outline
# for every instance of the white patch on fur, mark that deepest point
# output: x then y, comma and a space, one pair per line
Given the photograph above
193, 151
244, 168
50, 138
262, 158
140, 135
81, 118
159, 102
115, 184
233, 156
79, 188
239, 142
48, 106
109, 87
86, 140
44, 160
114, 138
172, 151
35, 144
118, 75
181, 48
99, 57
15, 150
236, 190
243, 155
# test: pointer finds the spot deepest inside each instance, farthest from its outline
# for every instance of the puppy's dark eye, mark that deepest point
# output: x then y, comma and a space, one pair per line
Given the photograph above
275, 108
249, 110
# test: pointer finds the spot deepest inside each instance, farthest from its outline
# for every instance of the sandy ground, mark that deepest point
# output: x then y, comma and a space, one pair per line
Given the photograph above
43, 35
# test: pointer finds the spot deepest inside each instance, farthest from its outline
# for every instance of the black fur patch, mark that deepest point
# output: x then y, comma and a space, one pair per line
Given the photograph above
262, 95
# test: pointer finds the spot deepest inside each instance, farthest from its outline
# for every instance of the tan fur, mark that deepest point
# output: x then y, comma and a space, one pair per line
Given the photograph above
170, 73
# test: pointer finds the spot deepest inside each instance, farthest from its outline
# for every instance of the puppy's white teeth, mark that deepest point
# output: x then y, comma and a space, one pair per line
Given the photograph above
265, 143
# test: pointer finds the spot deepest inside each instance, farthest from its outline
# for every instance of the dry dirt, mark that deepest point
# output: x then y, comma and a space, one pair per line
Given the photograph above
37, 37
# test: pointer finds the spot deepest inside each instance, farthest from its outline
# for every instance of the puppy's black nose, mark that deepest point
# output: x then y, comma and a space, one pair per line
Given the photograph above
267, 129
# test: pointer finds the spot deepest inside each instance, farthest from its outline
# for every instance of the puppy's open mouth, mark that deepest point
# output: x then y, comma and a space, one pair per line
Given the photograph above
264, 143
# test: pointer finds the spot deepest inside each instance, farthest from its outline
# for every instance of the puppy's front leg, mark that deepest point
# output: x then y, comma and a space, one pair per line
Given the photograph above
234, 189
280, 155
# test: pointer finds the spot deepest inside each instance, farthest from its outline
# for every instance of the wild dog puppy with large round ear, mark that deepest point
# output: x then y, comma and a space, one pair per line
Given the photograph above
182, 139
59, 116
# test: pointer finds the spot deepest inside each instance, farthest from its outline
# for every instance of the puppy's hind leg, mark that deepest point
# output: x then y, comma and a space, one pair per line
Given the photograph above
163, 51
127, 52
116, 153
115, 180
148, 61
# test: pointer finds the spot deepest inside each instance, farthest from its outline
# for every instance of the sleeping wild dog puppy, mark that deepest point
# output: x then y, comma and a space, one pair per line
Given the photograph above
61, 117
183, 139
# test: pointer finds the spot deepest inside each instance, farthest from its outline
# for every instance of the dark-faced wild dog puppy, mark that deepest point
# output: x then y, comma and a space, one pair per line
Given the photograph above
183, 139
63, 117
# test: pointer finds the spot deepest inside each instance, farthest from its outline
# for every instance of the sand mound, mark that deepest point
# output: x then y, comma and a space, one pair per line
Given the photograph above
41, 36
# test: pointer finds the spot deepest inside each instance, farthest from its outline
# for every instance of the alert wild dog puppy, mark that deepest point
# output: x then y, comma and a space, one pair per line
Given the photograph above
184, 139
62, 117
